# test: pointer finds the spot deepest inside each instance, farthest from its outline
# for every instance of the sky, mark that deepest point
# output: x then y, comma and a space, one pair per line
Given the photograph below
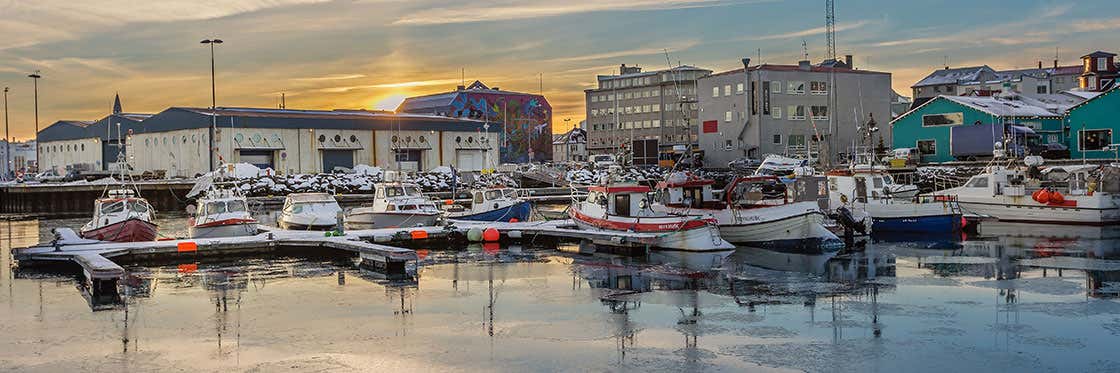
325, 54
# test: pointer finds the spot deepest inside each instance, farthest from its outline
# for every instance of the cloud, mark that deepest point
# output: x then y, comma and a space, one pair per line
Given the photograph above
505, 11
675, 47
1088, 25
1057, 11
417, 83
331, 77
811, 32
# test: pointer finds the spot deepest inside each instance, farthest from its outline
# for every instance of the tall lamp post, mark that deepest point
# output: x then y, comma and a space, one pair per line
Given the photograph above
213, 99
7, 140
35, 81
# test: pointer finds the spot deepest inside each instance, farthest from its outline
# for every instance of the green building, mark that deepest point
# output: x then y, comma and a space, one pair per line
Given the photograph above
1094, 125
928, 127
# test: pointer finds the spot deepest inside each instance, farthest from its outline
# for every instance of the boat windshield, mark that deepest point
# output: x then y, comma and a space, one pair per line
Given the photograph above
410, 191
112, 208
754, 192
217, 207
236, 206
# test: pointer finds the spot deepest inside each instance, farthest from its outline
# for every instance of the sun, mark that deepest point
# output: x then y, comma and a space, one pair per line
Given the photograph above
390, 102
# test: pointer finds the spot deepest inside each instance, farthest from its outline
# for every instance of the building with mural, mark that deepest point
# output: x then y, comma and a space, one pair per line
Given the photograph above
522, 120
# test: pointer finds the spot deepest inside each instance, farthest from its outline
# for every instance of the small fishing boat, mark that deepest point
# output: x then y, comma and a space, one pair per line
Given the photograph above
493, 204
221, 212
1070, 195
121, 216
395, 205
863, 191
627, 207
309, 211
756, 211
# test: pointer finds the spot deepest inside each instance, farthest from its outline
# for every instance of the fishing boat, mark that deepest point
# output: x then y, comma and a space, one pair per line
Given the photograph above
1071, 195
221, 212
493, 204
395, 205
756, 211
309, 211
627, 207
866, 193
121, 216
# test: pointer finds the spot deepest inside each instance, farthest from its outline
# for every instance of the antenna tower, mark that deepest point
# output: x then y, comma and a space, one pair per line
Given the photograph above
830, 27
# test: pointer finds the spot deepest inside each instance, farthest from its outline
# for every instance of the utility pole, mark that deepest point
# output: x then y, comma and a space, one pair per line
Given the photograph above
7, 140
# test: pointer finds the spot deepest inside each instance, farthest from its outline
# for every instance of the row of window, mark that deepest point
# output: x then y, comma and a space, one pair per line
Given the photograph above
1091, 140
638, 109
793, 140
628, 82
739, 89
794, 87
66, 148
623, 140
644, 93
797, 112
639, 124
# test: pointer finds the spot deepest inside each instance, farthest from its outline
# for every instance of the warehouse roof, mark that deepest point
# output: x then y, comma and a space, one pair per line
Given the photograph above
177, 118
104, 129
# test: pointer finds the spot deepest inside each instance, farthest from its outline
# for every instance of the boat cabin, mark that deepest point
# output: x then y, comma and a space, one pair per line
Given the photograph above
488, 199
121, 204
859, 184
688, 193
400, 197
756, 191
297, 203
627, 201
222, 206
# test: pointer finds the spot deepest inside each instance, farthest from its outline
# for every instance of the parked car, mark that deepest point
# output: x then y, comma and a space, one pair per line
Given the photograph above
603, 160
1054, 151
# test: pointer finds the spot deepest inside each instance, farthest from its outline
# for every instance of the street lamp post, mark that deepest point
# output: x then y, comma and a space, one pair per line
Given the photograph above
213, 99
35, 79
7, 140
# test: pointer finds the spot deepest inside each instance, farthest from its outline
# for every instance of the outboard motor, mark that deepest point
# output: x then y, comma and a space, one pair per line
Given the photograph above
850, 224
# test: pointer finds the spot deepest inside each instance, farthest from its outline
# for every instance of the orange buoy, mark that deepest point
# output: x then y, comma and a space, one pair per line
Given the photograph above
491, 234
491, 248
1043, 196
1036, 193
1056, 198
449, 202
421, 254
513, 220
419, 234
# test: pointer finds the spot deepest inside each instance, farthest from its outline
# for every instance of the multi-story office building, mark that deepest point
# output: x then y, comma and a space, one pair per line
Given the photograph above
655, 112
782, 109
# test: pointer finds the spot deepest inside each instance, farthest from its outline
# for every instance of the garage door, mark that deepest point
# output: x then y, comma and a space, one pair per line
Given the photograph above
337, 158
260, 158
470, 160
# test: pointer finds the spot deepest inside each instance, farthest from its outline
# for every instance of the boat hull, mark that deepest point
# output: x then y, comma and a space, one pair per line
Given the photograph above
698, 239
363, 218
130, 230
519, 211
792, 227
223, 229
1038, 213
935, 224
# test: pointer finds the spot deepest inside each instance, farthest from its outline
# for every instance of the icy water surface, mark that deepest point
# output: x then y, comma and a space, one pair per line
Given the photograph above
1016, 299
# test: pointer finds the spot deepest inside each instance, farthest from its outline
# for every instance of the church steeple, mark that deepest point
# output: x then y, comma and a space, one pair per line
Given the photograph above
117, 104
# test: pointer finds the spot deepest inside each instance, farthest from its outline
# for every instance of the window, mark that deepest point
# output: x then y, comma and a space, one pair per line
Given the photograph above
776, 112
645, 94
715, 91
629, 95
778, 139
1092, 83
946, 119
1041, 89
819, 112
795, 112
727, 90
1095, 140
927, 147
594, 98
645, 108
655, 93
656, 123
739, 88
629, 110
776, 86
796, 88
818, 88
1102, 64
656, 108
727, 117
796, 140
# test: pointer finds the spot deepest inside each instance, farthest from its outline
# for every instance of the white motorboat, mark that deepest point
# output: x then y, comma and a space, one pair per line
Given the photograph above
1072, 195
493, 204
395, 205
221, 212
309, 211
867, 193
780, 166
627, 207
756, 211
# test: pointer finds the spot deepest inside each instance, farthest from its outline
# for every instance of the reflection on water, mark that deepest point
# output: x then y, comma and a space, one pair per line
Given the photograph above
1015, 297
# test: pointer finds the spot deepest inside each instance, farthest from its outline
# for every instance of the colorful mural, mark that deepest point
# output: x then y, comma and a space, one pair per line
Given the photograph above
524, 121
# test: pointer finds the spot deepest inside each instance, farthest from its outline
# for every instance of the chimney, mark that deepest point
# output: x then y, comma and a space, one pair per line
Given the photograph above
804, 65
460, 88
848, 61
1040, 65
496, 88
1055, 63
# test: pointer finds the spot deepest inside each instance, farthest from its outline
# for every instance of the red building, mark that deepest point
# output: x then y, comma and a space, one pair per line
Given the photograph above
1099, 72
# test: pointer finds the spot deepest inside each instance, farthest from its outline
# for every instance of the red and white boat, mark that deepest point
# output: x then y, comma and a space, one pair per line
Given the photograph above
121, 217
222, 213
626, 207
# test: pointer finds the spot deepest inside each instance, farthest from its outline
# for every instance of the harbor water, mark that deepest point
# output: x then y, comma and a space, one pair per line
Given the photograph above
1013, 298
